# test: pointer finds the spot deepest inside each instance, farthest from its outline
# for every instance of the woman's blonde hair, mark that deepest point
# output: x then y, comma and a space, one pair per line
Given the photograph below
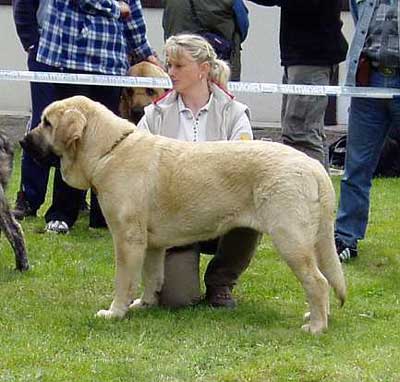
201, 51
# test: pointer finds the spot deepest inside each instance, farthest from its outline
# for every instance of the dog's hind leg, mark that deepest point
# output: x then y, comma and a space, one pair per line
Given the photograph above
13, 232
301, 258
153, 278
317, 292
129, 263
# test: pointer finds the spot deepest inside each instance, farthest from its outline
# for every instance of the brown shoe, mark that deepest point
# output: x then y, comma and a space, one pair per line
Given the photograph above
220, 297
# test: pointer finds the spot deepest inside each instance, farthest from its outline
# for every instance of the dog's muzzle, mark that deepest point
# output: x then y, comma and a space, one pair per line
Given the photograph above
38, 151
136, 114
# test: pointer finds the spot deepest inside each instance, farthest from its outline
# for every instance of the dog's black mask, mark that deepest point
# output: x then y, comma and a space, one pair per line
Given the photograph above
41, 157
136, 114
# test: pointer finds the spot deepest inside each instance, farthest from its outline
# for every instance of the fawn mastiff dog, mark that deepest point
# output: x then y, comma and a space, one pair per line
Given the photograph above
157, 193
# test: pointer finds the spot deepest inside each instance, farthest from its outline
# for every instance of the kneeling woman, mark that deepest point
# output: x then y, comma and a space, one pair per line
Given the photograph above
199, 109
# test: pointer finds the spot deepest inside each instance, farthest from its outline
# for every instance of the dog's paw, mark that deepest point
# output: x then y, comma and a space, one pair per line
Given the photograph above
313, 329
139, 304
307, 316
109, 314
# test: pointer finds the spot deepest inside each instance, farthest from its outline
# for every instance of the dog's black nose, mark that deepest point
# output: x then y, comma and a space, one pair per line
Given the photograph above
30, 147
40, 155
27, 144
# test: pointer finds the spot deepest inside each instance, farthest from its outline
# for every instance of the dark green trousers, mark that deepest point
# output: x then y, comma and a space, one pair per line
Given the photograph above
232, 254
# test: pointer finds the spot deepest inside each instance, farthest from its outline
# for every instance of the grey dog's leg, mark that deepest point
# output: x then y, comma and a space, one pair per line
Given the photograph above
13, 232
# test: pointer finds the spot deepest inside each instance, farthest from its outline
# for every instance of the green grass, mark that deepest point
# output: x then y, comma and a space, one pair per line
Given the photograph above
48, 331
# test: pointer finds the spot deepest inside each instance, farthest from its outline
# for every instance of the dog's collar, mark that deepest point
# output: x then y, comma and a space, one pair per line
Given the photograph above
118, 141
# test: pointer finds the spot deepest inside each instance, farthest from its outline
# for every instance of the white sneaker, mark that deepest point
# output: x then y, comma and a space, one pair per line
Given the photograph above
57, 226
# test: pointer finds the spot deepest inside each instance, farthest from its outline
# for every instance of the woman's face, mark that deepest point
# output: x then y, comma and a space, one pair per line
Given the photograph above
187, 74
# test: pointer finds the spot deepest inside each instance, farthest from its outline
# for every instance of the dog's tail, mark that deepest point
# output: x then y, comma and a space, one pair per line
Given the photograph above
329, 265
328, 260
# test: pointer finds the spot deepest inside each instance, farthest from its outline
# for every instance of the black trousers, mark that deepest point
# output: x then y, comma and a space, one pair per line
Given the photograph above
34, 176
67, 200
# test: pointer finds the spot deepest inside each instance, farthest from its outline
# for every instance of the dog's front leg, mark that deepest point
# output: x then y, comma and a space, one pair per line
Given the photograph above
13, 232
153, 279
129, 264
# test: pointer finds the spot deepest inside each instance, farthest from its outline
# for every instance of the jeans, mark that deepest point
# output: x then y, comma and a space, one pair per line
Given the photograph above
369, 123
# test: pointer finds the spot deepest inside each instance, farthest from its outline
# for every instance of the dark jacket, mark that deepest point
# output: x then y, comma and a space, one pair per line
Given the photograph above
26, 22
310, 32
215, 16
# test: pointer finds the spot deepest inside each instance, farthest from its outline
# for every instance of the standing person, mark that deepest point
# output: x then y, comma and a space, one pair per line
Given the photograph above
92, 37
29, 17
312, 45
374, 60
226, 19
198, 110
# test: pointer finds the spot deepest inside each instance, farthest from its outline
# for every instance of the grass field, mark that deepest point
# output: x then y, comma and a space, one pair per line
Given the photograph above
48, 331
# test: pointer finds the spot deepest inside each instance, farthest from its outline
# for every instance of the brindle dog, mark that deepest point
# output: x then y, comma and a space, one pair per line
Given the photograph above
8, 224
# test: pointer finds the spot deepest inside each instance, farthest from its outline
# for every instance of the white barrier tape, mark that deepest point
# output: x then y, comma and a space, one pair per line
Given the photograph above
85, 79
314, 90
234, 87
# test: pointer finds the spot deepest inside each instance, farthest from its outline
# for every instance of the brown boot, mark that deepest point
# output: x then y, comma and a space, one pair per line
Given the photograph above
220, 297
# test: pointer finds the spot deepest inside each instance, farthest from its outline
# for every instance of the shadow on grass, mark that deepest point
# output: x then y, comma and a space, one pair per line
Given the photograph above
258, 317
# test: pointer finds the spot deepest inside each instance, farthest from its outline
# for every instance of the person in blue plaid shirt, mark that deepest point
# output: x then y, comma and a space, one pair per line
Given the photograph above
95, 37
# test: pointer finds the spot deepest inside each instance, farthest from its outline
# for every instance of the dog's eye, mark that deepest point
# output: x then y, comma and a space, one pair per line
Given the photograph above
46, 122
150, 92
129, 92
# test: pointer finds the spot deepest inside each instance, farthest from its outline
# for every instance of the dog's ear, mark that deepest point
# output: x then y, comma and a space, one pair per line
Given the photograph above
73, 123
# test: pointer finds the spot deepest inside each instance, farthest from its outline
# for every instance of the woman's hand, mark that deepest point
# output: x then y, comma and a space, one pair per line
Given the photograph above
125, 10
154, 60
